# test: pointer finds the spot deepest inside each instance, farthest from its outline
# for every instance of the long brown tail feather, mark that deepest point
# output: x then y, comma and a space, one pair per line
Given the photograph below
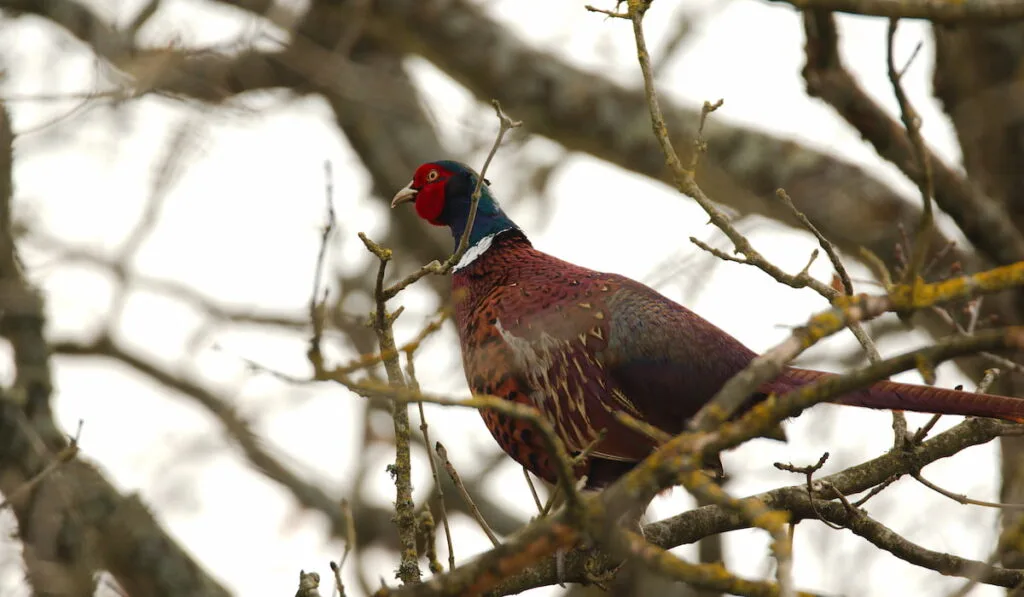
891, 395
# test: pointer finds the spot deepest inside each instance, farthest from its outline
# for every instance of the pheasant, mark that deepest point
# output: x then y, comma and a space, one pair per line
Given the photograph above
580, 345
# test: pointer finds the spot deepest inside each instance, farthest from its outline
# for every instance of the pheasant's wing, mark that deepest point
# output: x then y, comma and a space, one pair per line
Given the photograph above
592, 345
667, 359
556, 331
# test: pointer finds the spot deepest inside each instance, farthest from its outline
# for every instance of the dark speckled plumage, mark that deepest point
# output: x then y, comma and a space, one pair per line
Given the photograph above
580, 345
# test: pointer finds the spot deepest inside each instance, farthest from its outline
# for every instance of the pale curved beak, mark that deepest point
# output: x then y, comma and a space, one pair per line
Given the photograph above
404, 196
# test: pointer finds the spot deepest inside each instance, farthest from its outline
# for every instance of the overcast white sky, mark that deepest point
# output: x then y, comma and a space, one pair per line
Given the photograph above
241, 224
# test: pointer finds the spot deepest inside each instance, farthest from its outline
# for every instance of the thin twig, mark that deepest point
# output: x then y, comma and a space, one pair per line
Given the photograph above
912, 122
457, 480
808, 472
338, 584
64, 456
826, 245
350, 533
842, 498
828, 292
369, 360
877, 489
995, 359
700, 145
533, 490
316, 316
609, 13
505, 124
974, 306
925, 429
553, 500
961, 498
938, 257
350, 542
986, 381
414, 384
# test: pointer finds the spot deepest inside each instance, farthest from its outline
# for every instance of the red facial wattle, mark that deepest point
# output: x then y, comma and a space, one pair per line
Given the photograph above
430, 202
429, 180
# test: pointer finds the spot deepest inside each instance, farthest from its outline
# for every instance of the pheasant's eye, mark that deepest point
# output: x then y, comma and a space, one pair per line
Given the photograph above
432, 175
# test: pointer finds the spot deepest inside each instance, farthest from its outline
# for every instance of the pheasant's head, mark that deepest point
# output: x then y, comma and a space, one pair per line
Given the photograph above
442, 192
